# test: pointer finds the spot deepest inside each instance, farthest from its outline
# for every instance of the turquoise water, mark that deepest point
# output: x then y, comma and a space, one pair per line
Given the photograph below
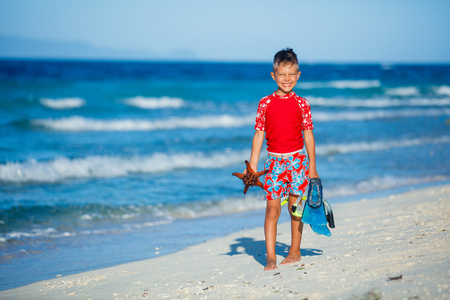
103, 163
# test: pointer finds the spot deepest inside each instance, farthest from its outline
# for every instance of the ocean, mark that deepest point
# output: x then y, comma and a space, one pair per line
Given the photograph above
104, 162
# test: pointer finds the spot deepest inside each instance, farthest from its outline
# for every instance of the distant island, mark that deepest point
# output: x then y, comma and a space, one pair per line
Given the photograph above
20, 47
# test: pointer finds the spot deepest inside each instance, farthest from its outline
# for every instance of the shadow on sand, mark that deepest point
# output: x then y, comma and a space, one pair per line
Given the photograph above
257, 249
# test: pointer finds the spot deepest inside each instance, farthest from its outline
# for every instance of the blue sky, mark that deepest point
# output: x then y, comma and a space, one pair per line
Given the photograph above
232, 30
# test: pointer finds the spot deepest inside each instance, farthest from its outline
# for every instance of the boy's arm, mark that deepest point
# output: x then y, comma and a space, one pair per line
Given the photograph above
257, 143
311, 149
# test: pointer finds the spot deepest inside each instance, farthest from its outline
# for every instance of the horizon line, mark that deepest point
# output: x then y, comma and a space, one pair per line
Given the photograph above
218, 61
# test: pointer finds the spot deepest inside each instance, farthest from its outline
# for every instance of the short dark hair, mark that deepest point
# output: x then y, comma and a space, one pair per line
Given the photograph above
285, 56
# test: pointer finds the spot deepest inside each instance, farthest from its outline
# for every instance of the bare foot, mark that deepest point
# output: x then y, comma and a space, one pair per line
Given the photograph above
271, 265
291, 258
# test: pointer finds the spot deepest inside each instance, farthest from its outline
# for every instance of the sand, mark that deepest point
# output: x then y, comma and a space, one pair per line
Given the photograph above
395, 247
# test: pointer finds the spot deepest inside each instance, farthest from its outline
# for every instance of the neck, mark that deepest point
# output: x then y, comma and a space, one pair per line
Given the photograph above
281, 93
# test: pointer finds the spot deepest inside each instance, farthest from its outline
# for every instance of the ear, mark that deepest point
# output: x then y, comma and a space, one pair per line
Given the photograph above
298, 75
273, 75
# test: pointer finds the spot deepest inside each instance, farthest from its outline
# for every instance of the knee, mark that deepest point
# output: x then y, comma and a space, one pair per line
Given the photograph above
273, 213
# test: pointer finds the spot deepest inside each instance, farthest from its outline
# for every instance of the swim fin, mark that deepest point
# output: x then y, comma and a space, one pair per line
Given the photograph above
321, 229
314, 212
329, 213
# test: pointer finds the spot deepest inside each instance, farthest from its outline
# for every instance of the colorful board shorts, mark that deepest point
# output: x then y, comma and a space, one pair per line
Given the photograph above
286, 176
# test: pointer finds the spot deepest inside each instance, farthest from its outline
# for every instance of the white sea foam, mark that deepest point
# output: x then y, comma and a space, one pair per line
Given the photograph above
341, 84
77, 123
330, 149
114, 166
213, 208
161, 214
37, 232
403, 91
378, 103
378, 114
164, 214
379, 183
154, 103
63, 103
443, 90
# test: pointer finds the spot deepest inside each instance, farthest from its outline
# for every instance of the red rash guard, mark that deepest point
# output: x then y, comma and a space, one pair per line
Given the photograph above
284, 118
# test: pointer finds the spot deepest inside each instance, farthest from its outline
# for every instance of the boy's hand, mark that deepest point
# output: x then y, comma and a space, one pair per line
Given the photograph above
254, 168
250, 177
313, 174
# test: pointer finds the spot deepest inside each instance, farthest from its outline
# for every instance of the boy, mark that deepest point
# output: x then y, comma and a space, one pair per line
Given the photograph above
282, 117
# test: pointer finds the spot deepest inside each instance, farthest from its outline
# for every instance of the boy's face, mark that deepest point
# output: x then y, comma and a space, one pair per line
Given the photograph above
286, 77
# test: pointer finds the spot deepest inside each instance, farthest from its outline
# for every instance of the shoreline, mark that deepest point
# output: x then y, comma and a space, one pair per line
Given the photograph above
395, 247
71, 257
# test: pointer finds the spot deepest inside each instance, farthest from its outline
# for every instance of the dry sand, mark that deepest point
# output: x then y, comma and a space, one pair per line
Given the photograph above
395, 247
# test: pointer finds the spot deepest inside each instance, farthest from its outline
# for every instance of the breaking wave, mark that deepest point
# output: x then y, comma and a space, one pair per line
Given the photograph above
61, 169
154, 103
113, 166
63, 103
378, 114
380, 183
77, 123
443, 90
331, 149
78, 220
403, 91
378, 103
341, 84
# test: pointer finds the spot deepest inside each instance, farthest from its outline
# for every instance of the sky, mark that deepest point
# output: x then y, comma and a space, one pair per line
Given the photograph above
402, 31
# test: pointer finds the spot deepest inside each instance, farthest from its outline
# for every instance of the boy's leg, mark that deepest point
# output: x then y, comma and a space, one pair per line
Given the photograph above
296, 235
273, 210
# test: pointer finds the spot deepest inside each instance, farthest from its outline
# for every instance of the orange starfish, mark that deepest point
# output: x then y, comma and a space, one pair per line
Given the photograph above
250, 178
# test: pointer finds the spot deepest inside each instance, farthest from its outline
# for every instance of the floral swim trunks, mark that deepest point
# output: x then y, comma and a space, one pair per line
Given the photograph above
286, 176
